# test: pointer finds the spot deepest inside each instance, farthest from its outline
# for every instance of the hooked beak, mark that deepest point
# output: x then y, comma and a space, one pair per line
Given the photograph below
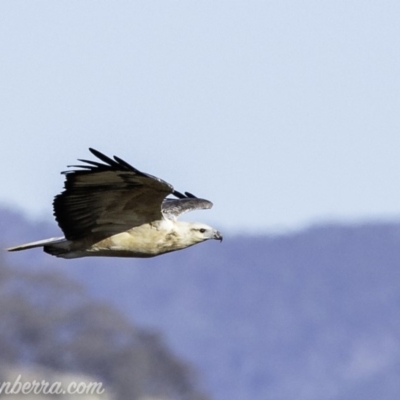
218, 236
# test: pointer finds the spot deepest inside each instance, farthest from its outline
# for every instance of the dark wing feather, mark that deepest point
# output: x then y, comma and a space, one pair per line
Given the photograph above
172, 208
104, 199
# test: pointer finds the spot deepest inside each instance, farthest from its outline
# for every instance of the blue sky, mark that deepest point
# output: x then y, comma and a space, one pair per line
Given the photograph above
283, 113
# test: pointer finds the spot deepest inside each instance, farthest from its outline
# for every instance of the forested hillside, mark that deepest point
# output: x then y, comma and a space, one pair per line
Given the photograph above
307, 315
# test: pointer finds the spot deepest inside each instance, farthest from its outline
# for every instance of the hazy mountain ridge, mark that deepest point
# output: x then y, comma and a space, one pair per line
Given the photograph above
308, 315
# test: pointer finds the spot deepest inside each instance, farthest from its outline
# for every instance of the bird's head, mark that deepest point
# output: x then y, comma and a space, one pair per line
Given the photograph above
200, 232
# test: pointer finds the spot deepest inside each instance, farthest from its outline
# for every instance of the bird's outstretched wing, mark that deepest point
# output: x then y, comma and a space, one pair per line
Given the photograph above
172, 208
105, 198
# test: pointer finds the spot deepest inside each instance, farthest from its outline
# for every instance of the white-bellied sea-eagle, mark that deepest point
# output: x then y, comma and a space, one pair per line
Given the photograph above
110, 208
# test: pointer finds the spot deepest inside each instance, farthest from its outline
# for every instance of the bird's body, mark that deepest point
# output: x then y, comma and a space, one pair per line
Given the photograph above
114, 210
147, 240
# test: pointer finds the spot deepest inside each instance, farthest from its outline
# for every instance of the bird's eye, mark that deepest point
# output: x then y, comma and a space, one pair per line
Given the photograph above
202, 230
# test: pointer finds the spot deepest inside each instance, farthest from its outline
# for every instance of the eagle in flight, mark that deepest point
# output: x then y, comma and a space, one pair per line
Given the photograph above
110, 208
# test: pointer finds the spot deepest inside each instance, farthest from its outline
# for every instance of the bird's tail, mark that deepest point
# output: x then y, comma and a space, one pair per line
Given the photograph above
39, 243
